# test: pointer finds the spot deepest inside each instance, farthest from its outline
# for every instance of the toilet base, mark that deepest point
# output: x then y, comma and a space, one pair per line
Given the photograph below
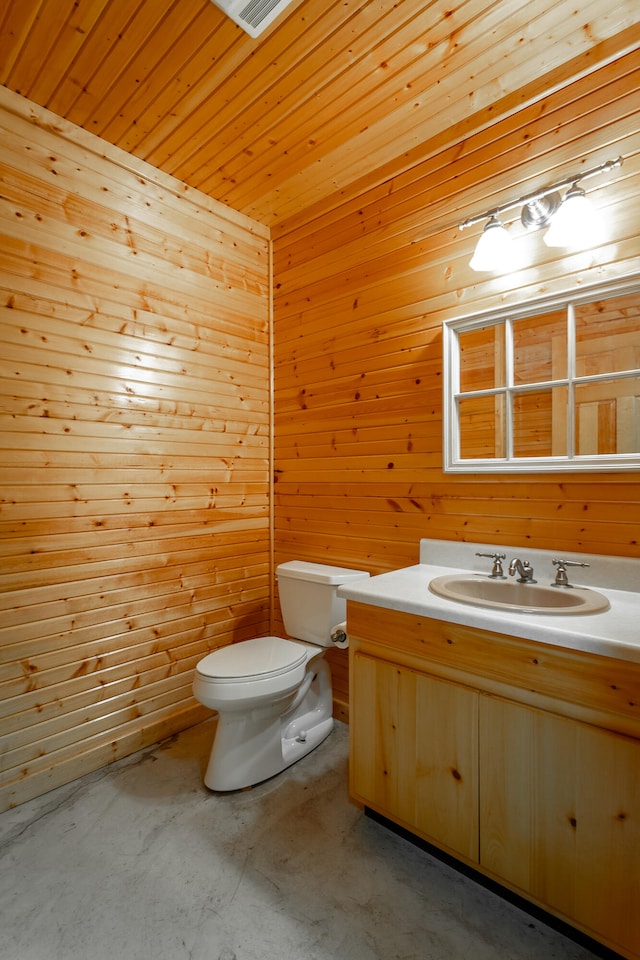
253, 745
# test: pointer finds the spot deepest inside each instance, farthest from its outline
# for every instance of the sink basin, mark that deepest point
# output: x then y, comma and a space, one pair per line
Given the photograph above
482, 591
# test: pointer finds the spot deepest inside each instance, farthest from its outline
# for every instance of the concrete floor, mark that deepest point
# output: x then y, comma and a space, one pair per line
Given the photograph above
141, 861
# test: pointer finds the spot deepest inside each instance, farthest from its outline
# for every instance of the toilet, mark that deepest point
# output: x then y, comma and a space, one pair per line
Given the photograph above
273, 696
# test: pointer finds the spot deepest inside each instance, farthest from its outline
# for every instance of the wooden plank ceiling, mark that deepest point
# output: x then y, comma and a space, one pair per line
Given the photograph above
333, 91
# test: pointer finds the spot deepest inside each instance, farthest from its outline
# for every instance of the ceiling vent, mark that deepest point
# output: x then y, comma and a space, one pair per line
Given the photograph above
254, 16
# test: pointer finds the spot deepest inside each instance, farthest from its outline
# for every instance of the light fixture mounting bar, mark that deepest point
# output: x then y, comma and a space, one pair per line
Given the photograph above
538, 194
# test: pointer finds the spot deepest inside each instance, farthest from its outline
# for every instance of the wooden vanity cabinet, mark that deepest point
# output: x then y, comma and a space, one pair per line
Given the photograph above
521, 759
415, 751
560, 817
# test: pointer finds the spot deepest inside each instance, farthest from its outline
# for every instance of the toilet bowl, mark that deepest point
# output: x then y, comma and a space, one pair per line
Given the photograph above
273, 695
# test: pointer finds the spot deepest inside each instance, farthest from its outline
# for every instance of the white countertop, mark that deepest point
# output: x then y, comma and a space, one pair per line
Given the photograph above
613, 633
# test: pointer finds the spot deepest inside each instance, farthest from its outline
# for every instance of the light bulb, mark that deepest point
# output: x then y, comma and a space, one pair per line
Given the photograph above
576, 224
494, 250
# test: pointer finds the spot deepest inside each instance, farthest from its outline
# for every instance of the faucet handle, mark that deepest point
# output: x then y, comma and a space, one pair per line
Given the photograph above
562, 580
497, 573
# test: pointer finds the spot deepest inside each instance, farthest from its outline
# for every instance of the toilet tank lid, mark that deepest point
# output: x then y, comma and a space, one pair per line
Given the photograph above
318, 572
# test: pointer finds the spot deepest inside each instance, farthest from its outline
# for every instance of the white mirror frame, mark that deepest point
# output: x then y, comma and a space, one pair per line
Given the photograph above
453, 462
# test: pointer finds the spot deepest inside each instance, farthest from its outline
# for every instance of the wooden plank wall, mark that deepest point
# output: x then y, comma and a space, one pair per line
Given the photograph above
362, 286
134, 472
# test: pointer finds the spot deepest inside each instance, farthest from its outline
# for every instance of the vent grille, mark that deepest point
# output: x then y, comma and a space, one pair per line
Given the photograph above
254, 16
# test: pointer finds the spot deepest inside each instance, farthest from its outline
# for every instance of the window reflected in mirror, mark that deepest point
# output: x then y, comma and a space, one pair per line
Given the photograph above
540, 348
482, 427
482, 354
607, 336
535, 414
607, 417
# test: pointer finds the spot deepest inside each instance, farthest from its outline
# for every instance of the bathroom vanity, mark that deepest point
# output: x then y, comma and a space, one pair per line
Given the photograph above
510, 740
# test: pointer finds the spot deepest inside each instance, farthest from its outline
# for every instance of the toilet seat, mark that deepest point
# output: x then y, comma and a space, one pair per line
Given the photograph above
258, 659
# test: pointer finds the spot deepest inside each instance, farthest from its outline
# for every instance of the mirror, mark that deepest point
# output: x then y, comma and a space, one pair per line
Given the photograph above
551, 386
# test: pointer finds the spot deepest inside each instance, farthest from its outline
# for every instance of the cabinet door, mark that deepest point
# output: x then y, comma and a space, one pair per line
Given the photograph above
414, 752
560, 816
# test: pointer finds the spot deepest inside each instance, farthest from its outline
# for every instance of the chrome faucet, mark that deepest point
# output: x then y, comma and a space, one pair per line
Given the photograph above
523, 568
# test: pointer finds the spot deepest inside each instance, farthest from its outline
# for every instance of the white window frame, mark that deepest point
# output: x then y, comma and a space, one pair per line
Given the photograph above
452, 462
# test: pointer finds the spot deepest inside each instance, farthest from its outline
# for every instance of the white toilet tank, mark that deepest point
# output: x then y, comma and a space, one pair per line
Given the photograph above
308, 598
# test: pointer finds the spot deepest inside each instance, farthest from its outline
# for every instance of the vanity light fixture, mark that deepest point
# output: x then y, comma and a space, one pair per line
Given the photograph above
573, 220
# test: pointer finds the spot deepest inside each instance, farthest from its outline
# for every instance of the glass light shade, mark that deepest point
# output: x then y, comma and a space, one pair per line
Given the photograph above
494, 250
576, 224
